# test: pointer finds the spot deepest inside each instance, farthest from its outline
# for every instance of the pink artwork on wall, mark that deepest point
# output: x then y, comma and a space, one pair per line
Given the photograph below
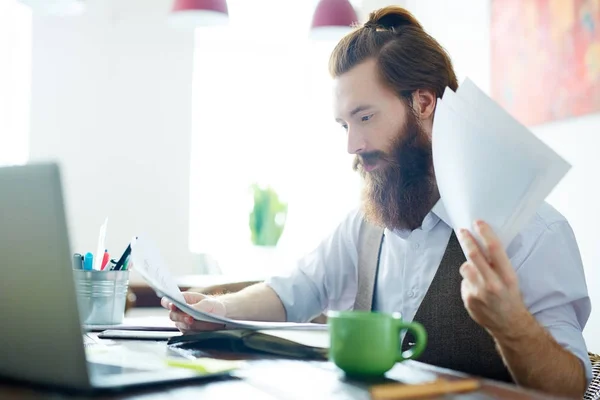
545, 58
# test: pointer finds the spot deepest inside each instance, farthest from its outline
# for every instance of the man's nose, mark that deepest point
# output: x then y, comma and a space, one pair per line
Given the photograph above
356, 142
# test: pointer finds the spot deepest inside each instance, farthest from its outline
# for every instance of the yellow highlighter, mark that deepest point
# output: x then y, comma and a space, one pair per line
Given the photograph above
205, 365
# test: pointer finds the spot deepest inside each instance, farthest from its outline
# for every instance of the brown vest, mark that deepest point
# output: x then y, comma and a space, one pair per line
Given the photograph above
454, 341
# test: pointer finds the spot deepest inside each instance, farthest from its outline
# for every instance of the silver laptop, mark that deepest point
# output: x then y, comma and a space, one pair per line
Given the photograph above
41, 339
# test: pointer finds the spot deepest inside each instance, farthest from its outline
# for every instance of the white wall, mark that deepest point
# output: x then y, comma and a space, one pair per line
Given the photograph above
111, 98
463, 28
578, 198
452, 24
15, 79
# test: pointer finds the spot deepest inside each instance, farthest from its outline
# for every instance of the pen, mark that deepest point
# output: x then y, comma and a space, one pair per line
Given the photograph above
77, 261
121, 261
110, 266
105, 259
88, 261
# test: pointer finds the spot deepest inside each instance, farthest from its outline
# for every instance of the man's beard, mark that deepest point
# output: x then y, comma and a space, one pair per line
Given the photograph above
400, 192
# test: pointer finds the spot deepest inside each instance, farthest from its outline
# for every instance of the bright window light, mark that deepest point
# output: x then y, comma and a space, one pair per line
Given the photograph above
262, 113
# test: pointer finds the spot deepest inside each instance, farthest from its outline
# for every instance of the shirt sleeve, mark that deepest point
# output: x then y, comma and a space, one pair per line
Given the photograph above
552, 281
321, 275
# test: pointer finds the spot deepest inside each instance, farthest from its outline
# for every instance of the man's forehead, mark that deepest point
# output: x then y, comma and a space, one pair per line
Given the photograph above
355, 87
362, 76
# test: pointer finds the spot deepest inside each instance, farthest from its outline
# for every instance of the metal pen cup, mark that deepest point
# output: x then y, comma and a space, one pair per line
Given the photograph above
101, 296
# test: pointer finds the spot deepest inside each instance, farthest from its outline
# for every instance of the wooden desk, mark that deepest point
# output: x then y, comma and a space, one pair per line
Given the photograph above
268, 378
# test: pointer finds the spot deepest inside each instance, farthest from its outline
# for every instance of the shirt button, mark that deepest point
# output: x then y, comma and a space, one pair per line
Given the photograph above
411, 294
416, 246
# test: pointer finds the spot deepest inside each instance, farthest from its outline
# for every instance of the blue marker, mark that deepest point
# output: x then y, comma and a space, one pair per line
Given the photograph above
88, 261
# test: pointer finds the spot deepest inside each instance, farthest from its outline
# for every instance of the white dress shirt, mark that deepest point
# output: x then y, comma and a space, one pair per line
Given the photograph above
544, 254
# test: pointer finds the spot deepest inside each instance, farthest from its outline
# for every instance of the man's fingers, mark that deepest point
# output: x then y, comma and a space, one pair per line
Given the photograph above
469, 273
178, 316
476, 257
205, 306
165, 303
187, 324
183, 327
498, 256
205, 326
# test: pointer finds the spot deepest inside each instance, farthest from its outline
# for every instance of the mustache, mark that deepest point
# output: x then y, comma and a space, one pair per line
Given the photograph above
370, 158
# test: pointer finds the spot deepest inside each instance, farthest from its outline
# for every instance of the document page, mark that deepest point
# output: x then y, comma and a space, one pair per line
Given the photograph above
148, 262
489, 166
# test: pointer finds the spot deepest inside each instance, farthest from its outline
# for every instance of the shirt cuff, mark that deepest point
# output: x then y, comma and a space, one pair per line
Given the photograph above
298, 295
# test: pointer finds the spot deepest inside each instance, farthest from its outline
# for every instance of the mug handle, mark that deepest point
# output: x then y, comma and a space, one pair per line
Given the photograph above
420, 338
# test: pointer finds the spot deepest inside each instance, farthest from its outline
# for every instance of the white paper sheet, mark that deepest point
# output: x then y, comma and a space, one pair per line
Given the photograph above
148, 262
489, 166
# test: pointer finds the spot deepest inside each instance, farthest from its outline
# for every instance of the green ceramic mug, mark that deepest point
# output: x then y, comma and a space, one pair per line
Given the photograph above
368, 343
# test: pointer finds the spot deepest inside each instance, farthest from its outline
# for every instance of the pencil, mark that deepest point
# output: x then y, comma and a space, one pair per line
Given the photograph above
441, 386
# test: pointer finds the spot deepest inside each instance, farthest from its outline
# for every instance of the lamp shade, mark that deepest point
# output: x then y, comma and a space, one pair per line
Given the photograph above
332, 19
197, 13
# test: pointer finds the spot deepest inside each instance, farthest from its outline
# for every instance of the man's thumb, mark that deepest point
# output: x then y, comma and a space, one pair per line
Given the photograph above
193, 297
211, 305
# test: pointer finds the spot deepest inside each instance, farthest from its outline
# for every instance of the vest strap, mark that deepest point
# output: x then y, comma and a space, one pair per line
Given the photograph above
370, 240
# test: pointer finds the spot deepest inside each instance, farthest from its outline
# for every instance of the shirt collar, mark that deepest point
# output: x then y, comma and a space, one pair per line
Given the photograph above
439, 210
438, 213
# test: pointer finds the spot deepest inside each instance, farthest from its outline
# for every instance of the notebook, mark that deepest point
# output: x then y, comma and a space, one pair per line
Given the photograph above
303, 344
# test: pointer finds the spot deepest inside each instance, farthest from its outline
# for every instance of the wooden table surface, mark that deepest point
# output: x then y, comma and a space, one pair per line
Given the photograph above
268, 378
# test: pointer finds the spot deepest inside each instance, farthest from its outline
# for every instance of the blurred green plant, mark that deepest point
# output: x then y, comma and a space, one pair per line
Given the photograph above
268, 216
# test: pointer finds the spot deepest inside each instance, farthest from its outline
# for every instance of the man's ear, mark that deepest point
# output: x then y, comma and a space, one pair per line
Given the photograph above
424, 102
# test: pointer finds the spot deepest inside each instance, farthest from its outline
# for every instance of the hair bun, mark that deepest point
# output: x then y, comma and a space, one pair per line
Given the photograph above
392, 18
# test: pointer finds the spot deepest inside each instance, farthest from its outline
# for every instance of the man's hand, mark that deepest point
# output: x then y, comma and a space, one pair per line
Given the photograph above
492, 297
256, 302
184, 322
490, 288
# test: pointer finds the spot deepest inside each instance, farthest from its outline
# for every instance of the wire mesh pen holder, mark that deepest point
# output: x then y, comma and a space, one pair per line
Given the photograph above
101, 296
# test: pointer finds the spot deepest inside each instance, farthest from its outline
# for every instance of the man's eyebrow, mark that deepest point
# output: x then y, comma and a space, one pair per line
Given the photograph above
355, 111
358, 109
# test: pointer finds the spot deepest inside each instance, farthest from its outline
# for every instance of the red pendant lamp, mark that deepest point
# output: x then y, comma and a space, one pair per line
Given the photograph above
332, 19
198, 13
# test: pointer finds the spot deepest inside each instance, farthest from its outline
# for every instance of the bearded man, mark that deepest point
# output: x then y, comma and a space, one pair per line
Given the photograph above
514, 315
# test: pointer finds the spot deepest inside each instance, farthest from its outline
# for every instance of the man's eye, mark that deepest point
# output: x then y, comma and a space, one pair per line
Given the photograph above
366, 117
345, 127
